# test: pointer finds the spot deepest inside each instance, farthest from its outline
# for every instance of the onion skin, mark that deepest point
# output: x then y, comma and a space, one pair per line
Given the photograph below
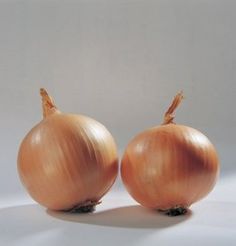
169, 166
67, 161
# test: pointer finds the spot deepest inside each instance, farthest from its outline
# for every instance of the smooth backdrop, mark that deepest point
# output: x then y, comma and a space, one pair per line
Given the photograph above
120, 62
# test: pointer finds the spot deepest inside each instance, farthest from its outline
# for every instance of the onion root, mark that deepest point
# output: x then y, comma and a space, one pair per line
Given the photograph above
85, 207
177, 210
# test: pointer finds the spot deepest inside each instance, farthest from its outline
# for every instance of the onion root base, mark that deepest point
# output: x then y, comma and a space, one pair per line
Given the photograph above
175, 211
85, 207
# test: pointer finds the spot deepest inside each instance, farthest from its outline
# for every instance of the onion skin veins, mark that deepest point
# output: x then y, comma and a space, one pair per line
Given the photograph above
169, 167
67, 161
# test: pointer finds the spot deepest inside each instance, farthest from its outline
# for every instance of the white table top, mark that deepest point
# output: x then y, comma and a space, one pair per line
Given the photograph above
119, 220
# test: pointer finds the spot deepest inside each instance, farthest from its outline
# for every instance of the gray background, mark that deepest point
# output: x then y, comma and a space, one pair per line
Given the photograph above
120, 62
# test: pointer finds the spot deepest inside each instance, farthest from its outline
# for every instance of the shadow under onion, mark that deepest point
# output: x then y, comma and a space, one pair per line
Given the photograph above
134, 216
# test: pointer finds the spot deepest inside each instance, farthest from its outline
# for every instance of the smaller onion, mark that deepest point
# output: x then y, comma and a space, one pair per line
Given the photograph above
67, 161
170, 167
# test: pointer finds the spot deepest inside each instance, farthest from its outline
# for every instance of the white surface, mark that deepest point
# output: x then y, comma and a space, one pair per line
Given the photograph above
120, 221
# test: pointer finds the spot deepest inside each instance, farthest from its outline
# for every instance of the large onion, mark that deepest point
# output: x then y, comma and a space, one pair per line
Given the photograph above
169, 167
67, 161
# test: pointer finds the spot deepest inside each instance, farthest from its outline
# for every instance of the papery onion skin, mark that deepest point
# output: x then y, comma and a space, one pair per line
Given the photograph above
169, 166
67, 161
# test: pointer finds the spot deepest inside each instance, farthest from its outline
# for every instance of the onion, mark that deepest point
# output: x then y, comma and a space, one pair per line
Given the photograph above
67, 161
169, 167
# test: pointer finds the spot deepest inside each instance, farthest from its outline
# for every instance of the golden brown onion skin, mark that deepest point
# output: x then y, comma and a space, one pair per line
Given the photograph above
169, 166
67, 160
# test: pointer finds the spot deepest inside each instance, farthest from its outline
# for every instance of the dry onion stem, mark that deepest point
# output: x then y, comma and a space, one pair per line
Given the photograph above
67, 161
169, 167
